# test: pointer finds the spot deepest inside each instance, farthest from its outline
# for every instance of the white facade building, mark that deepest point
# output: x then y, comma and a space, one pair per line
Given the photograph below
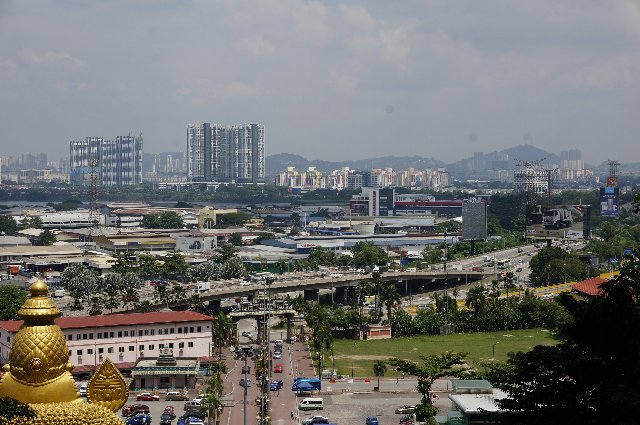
124, 338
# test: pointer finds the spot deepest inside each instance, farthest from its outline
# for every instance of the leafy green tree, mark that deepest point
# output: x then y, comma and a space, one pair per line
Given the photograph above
96, 302
431, 368
539, 262
34, 222
182, 204
319, 256
112, 288
162, 294
80, 282
130, 297
195, 303
8, 225
235, 239
11, 299
170, 220
150, 221
432, 255
233, 268
379, 369
232, 220
263, 237
366, 254
224, 252
145, 306
203, 272
123, 263
178, 294
149, 267
174, 266
46, 238
592, 375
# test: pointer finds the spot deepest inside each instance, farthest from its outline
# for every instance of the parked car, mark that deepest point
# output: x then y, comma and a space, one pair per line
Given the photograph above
166, 419
176, 396
280, 383
273, 387
147, 397
139, 419
246, 369
198, 398
405, 409
244, 383
191, 419
246, 334
278, 368
315, 420
372, 420
170, 411
191, 406
277, 355
132, 409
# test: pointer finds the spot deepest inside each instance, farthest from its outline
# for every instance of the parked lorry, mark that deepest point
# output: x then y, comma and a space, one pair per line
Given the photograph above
203, 286
13, 269
556, 218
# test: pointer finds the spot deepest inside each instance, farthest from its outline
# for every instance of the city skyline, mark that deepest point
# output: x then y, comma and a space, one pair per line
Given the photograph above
369, 78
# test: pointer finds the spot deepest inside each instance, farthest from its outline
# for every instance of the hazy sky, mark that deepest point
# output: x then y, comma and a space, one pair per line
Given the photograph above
329, 79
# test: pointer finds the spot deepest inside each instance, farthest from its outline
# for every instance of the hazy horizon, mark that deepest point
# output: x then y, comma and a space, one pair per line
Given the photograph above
329, 80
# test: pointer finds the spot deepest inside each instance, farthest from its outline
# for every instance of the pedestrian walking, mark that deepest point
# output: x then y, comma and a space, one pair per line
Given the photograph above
291, 415
402, 375
397, 381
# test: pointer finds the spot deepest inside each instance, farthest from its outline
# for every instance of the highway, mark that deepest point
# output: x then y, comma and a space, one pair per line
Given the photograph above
459, 273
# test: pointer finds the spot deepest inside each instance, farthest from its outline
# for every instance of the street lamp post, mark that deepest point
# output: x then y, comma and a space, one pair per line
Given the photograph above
494, 349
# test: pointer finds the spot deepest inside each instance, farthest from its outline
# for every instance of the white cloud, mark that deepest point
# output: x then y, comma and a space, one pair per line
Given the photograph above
52, 58
357, 16
256, 46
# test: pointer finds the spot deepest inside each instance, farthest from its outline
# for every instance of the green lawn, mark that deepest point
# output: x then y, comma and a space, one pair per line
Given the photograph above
361, 354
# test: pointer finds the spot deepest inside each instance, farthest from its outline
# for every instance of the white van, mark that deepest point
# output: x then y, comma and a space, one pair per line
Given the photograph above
311, 404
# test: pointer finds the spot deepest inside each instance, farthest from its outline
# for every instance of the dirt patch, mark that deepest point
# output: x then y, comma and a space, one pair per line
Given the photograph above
362, 357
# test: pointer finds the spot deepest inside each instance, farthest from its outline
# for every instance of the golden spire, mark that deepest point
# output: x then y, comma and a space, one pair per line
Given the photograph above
39, 372
39, 368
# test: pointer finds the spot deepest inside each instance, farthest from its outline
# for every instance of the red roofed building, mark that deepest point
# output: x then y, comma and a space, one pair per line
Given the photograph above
589, 287
124, 338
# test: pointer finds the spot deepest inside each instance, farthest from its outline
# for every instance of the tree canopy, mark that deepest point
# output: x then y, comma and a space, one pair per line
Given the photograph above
592, 376
11, 299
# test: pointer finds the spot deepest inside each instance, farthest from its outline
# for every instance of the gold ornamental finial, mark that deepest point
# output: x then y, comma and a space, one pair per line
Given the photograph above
39, 372
39, 368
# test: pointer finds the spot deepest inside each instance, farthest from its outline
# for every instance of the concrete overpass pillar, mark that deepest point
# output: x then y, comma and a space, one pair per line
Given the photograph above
311, 294
260, 332
341, 295
289, 318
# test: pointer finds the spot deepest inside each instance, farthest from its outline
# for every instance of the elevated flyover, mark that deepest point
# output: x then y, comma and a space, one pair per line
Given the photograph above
221, 291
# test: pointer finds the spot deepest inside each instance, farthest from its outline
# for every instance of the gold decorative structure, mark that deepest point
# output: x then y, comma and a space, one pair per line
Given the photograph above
39, 372
107, 387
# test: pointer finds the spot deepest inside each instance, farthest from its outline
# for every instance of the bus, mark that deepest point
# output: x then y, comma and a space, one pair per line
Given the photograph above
503, 264
315, 383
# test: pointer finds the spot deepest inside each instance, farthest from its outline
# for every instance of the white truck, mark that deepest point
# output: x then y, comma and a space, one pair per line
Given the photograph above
556, 218
203, 286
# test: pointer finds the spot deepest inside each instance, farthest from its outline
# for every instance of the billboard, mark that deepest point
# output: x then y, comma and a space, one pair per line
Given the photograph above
474, 221
609, 201
559, 222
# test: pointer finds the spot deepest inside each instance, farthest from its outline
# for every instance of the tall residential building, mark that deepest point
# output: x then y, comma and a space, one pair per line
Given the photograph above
219, 153
117, 162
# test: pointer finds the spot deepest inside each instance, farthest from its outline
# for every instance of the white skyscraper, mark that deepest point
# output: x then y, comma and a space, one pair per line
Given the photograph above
233, 154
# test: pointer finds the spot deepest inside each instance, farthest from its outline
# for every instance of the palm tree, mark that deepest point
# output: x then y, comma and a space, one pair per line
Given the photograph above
475, 299
221, 326
215, 387
389, 296
379, 369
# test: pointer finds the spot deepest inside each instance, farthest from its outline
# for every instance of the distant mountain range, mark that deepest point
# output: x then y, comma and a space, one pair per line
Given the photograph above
279, 162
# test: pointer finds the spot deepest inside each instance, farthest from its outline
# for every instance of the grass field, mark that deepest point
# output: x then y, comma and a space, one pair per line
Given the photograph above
479, 346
